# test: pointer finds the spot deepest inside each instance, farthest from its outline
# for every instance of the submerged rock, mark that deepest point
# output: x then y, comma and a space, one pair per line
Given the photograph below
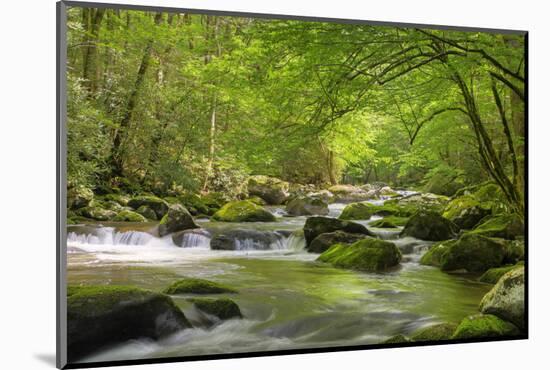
98, 316
245, 239
484, 326
307, 206
158, 205
441, 331
507, 298
474, 253
243, 211
502, 226
222, 308
176, 219
371, 255
427, 225
197, 286
315, 226
129, 216
272, 190
324, 241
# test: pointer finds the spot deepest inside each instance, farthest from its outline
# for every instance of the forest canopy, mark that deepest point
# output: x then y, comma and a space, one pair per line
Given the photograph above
159, 102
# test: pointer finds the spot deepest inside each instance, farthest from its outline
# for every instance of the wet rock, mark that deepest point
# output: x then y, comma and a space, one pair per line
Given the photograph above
474, 253
129, 216
371, 255
98, 316
324, 241
272, 190
158, 205
147, 212
315, 226
197, 286
502, 226
484, 326
245, 239
222, 308
427, 225
79, 197
176, 219
436, 332
350, 193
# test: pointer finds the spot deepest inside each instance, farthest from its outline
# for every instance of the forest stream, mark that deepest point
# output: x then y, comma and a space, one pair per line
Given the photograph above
288, 300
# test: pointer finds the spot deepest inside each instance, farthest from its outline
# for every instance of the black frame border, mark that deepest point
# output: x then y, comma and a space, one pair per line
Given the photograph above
61, 171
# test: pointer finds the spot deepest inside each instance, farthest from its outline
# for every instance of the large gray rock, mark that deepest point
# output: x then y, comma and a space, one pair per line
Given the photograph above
507, 298
316, 226
427, 225
158, 205
272, 190
177, 218
307, 206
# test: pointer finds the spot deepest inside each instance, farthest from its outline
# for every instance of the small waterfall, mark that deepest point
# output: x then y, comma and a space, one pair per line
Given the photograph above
108, 235
196, 238
295, 241
335, 209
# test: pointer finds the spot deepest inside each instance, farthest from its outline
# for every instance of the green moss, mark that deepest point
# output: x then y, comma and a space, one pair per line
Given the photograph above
147, 212
369, 254
458, 205
484, 326
428, 225
390, 222
434, 255
96, 213
474, 253
257, 200
118, 198
492, 276
243, 211
223, 308
155, 203
197, 286
176, 219
441, 331
357, 211
129, 216
316, 226
399, 338
507, 226
324, 241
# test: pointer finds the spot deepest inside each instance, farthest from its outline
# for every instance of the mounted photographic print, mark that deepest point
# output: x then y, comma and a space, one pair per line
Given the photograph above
237, 184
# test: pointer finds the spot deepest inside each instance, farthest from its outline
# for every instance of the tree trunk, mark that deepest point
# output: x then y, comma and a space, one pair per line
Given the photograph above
212, 147
116, 159
89, 69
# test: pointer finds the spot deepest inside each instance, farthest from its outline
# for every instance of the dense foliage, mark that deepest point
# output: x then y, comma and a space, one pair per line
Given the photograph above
160, 102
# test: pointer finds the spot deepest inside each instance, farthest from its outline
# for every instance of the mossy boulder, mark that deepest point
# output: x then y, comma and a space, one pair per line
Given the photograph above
147, 212
79, 197
195, 205
474, 253
484, 326
257, 200
129, 216
492, 276
243, 211
507, 298
325, 195
357, 211
434, 255
435, 332
324, 241
515, 251
99, 316
396, 339
507, 226
197, 286
466, 211
443, 182
428, 225
157, 204
222, 308
318, 225
370, 255
96, 213
272, 190
118, 198
176, 219
307, 206
390, 222
349, 193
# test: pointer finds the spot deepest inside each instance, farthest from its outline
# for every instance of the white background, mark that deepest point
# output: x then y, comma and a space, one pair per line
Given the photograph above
27, 196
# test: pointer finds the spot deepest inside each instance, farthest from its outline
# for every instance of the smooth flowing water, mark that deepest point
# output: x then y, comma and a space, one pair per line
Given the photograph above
288, 300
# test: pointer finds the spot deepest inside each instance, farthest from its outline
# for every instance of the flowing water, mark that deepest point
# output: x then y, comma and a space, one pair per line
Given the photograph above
288, 300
